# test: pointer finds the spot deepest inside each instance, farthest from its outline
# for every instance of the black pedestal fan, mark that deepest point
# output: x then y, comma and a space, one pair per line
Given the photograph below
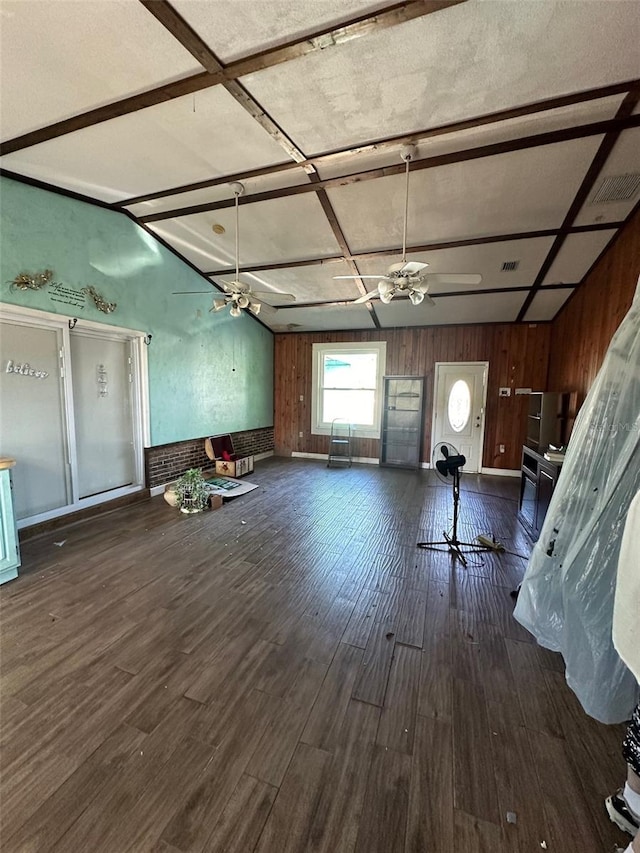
447, 462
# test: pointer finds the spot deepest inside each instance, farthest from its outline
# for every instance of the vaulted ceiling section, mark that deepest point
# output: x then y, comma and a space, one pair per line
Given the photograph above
524, 114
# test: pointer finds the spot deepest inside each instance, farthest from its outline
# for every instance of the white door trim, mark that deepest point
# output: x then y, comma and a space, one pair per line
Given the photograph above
485, 383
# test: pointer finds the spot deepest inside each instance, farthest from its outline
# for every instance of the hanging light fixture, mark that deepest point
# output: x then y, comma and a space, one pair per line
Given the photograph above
416, 297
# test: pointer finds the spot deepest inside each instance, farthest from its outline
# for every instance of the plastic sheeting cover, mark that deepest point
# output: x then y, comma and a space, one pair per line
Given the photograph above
566, 598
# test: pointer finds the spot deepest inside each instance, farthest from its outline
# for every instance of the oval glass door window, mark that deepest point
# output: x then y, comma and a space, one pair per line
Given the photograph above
459, 406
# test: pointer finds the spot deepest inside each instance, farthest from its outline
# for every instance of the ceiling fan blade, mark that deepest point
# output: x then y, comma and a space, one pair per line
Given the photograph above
451, 279
355, 276
428, 300
262, 295
366, 297
263, 307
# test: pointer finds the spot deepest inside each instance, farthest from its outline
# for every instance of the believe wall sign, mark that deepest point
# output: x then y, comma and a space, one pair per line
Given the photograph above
25, 370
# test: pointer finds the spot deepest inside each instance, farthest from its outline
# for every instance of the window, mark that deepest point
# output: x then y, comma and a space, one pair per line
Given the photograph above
347, 384
459, 407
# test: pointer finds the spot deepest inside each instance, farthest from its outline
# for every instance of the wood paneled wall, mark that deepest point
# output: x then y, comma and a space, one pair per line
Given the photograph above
517, 355
582, 331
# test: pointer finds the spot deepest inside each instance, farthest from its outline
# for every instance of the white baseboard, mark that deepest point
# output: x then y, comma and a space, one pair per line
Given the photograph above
501, 472
158, 490
366, 460
258, 456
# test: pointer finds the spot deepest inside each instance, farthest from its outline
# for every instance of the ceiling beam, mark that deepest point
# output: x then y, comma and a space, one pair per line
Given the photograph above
341, 240
191, 41
312, 42
604, 149
415, 138
424, 247
183, 32
535, 141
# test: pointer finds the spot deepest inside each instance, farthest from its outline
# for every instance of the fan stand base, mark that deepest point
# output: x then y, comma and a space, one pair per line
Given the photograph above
454, 546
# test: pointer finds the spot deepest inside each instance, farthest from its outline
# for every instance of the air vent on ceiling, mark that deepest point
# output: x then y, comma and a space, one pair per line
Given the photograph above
510, 266
617, 188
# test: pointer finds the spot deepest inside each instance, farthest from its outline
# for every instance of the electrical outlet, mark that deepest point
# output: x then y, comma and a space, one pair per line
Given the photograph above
302, 398
502, 448
301, 435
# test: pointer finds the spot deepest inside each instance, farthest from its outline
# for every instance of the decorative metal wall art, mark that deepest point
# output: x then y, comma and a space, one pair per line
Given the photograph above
66, 295
26, 281
99, 300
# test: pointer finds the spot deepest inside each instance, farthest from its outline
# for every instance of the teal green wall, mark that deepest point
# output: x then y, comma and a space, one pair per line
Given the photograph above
208, 373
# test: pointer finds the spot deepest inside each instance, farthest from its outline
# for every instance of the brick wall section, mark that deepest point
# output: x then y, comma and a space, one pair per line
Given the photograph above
167, 462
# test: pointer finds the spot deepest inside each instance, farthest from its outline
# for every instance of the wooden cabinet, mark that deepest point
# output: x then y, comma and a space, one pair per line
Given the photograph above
402, 421
9, 549
538, 480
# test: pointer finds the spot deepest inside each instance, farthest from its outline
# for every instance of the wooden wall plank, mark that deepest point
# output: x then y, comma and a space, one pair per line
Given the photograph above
517, 356
581, 333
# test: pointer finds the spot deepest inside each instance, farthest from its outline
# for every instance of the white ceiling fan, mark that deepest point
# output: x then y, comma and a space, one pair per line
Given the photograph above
239, 295
407, 278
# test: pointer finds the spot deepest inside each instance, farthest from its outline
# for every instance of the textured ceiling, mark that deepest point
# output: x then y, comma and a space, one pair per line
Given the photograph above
519, 110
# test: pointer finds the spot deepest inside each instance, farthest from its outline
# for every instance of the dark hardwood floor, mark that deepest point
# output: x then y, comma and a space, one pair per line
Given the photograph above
290, 674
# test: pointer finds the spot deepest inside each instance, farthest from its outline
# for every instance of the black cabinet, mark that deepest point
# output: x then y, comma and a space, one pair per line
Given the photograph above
402, 421
538, 480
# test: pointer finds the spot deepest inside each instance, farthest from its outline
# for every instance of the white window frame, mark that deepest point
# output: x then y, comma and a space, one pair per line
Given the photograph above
319, 427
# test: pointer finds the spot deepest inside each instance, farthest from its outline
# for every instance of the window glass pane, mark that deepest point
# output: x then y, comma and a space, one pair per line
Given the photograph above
355, 407
459, 406
350, 370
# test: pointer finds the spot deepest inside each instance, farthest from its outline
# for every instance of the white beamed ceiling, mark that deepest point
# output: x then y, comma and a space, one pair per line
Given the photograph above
491, 188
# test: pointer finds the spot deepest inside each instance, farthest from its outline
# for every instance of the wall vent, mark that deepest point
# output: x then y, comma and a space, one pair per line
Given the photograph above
617, 188
510, 266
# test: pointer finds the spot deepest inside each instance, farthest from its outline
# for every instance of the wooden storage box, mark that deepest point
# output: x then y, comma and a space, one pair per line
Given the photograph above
220, 450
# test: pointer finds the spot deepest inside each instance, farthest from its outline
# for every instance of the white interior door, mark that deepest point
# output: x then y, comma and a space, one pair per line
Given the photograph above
103, 413
33, 417
459, 410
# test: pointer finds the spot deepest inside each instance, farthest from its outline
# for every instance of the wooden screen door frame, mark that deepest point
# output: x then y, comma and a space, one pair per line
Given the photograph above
483, 408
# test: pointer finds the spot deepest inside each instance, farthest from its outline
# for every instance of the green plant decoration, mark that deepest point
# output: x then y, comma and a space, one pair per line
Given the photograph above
191, 491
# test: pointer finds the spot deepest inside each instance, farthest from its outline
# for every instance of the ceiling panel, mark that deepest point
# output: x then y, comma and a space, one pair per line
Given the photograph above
488, 134
235, 30
294, 228
264, 183
451, 310
308, 283
546, 304
485, 260
465, 61
514, 192
324, 319
163, 146
575, 258
624, 159
59, 58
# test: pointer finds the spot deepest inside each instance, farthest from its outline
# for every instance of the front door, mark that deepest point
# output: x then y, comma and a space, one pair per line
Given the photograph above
459, 410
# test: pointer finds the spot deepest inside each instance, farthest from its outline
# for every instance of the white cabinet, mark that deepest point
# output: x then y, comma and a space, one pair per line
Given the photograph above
9, 548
